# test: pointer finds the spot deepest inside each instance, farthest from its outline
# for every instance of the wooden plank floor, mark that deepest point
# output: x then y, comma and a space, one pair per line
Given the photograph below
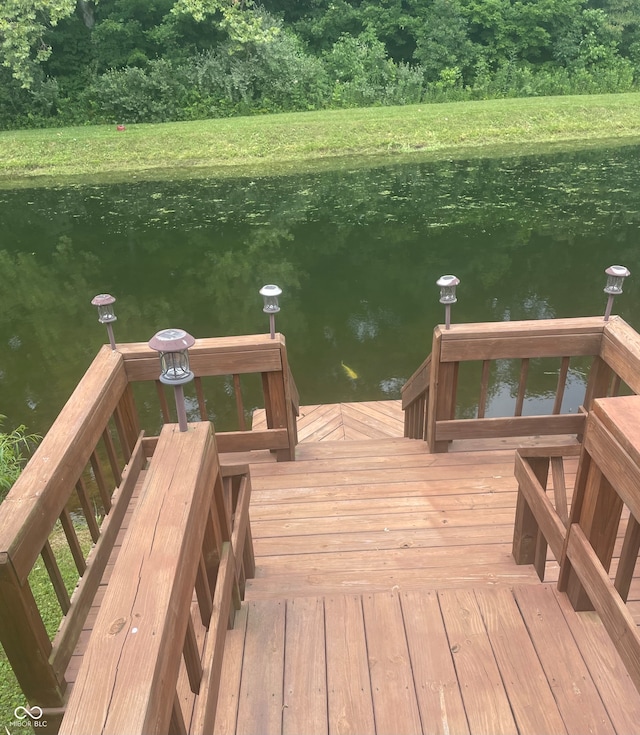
356, 516
492, 660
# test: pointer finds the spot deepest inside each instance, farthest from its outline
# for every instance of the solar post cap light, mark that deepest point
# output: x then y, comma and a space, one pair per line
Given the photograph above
447, 296
270, 294
173, 346
105, 302
615, 278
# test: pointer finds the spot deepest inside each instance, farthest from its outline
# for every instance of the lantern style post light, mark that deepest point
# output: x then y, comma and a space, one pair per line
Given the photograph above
173, 346
615, 278
447, 296
270, 294
105, 302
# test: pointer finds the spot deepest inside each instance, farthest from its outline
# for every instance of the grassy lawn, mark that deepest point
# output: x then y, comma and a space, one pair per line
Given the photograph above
293, 142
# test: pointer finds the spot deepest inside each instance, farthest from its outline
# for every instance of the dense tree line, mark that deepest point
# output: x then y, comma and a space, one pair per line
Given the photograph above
92, 61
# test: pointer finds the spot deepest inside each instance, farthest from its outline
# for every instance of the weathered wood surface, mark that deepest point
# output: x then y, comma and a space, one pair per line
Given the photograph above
383, 514
344, 421
451, 662
36, 500
130, 668
210, 356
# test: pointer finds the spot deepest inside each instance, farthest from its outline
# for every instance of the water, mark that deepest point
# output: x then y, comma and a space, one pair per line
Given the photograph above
356, 252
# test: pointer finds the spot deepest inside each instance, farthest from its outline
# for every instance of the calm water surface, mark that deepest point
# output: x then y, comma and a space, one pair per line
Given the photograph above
356, 252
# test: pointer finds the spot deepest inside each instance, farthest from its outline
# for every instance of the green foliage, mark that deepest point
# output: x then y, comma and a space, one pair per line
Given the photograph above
23, 24
132, 94
363, 74
273, 76
160, 60
13, 447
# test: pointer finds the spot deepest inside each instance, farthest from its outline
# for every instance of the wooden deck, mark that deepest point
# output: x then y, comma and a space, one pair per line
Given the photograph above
386, 595
489, 660
345, 421
386, 598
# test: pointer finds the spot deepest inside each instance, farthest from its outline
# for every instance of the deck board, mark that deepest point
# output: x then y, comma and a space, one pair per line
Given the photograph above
450, 662
260, 699
349, 700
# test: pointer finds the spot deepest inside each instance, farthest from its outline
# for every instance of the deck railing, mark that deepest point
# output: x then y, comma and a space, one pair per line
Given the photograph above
429, 396
605, 505
81, 478
154, 658
235, 356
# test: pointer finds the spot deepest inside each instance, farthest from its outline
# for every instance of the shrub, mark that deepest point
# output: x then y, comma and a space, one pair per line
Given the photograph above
13, 445
155, 94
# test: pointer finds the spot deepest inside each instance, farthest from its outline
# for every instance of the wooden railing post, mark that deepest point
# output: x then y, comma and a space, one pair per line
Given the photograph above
526, 536
25, 641
598, 510
127, 421
598, 382
443, 383
279, 405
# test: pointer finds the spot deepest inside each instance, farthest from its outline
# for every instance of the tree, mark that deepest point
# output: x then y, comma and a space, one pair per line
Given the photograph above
23, 26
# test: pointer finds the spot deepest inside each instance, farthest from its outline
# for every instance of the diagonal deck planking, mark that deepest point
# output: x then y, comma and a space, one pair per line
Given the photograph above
345, 421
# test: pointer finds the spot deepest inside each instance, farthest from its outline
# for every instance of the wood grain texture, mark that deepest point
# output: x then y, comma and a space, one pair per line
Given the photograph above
394, 696
350, 704
130, 668
485, 699
304, 708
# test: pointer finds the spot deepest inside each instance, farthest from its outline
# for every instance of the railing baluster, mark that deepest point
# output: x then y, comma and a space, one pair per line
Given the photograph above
100, 482
122, 434
83, 496
562, 382
177, 726
111, 454
559, 489
522, 386
72, 539
614, 389
56, 577
237, 389
202, 405
164, 406
203, 593
484, 388
192, 657
628, 558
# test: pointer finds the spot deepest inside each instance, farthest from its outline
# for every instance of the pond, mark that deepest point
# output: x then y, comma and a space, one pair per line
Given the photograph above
356, 252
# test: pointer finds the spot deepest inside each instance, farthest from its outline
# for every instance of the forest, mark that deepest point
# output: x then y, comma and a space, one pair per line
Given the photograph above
68, 62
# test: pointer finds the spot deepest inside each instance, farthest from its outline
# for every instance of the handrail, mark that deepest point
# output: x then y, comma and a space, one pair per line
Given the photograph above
67, 458
145, 625
415, 395
240, 355
607, 480
95, 451
429, 396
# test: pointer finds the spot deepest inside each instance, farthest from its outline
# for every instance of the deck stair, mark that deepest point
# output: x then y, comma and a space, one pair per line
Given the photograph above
374, 515
386, 598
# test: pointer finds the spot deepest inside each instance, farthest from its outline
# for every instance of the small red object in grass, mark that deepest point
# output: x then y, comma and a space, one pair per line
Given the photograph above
120, 128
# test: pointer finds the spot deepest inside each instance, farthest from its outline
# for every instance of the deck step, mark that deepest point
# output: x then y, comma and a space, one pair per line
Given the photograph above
489, 660
354, 516
345, 421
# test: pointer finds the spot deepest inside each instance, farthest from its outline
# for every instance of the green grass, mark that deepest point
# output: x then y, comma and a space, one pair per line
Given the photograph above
296, 141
